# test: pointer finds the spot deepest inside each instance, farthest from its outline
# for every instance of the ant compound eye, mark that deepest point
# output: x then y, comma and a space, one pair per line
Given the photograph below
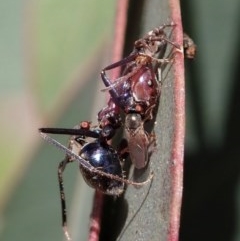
133, 121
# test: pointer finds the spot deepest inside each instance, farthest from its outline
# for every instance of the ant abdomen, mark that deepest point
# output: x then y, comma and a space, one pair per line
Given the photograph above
104, 158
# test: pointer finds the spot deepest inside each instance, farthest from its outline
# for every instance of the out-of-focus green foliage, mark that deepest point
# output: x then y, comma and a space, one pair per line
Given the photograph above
51, 55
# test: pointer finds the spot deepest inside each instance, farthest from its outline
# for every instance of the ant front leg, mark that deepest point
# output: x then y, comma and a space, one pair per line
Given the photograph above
61, 169
121, 62
163, 38
107, 82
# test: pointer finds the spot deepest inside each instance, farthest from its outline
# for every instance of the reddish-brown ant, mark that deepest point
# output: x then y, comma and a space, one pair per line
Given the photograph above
137, 91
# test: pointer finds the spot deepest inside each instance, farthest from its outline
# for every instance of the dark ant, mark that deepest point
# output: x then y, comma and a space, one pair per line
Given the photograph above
99, 162
137, 91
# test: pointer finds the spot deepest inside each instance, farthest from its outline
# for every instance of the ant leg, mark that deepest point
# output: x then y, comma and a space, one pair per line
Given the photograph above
163, 26
111, 87
70, 131
152, 143
121, 62
177, 46
107, 82
61, 168
110, 84
159, 76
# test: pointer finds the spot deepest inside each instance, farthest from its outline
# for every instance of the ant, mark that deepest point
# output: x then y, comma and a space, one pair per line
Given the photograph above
137, 91
99, 162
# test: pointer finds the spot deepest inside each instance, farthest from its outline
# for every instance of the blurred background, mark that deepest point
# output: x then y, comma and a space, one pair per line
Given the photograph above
51, 54
211, 197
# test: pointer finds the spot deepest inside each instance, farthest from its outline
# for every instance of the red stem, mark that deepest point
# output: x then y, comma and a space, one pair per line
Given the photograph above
179, 125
